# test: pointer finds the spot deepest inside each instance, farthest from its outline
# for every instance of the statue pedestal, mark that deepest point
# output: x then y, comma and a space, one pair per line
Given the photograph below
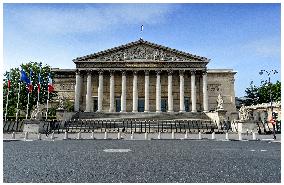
34, 126
244, 125
60, 114
221, 115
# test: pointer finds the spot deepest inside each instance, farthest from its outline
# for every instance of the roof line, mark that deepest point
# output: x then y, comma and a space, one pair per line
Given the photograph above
137, 42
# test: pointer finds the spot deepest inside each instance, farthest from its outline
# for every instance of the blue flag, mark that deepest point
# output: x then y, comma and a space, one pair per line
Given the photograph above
24, 77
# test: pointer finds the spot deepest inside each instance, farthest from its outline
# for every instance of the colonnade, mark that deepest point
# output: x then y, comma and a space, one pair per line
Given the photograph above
79, 82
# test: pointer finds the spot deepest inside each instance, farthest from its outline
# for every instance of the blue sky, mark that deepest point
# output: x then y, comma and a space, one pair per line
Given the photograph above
243, 37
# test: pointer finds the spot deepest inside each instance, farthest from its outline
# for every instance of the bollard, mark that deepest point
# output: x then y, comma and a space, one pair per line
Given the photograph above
105, 135
240, 136
250, 132
159, 135
66, 135
26, 135
132, 135
199, 135
52, 136
173, 135
79, 135
247, 132
253, 136
213, 135
227, 136
93, 135
146, 135
39, 136
118, 135
13, 135
186, 135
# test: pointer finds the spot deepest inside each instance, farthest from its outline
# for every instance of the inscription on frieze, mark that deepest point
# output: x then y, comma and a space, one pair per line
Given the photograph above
141, 64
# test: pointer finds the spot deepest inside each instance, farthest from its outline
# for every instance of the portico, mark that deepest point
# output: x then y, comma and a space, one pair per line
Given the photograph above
141, 77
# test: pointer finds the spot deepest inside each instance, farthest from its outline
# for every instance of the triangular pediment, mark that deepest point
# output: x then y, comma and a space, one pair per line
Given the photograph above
140, 50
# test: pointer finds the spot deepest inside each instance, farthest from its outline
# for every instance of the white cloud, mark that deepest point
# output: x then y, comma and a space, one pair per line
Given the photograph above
87, 18
265, 47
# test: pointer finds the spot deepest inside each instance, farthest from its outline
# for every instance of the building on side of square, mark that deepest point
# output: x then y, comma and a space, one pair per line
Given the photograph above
145, 77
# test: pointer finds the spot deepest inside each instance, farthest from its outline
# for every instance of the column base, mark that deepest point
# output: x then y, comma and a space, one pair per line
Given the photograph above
122, 111
134, 111
182, 111
158, 111
193, 111
205, 111
146, 111
170, 111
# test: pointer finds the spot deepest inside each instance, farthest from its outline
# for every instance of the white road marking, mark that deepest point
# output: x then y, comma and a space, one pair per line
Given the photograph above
263, 150
252, 150
117, 150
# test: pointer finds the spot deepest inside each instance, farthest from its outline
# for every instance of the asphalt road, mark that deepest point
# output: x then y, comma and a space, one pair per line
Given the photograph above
144, 161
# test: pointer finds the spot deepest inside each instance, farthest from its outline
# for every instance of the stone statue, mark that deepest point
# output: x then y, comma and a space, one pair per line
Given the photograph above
244, 113
220, 102
37, 113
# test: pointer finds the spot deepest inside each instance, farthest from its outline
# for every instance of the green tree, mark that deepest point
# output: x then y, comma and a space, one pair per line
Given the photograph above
23, 98
257, 95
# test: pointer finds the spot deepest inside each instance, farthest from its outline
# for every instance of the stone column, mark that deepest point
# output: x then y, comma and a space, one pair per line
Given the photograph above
100, 91
89, 92
193, 92
111, 92
181, 91
135, 93
123, 92
170, 91
205, 92
146, 107
158, 92
77, 91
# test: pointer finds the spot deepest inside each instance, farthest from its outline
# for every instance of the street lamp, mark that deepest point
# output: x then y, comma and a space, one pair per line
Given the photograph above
271, 72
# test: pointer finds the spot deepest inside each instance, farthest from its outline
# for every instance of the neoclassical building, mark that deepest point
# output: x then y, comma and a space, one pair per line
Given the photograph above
142, 76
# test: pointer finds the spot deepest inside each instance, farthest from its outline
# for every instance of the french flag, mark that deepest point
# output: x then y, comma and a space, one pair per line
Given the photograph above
31, 82
38, 85
50, 84
9, 81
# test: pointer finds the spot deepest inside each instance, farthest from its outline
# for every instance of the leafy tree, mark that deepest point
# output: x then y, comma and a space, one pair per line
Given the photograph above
23, 98
257, 95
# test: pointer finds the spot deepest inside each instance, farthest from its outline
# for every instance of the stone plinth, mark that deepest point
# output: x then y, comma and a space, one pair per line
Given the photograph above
62, 114
34, 126
244, 125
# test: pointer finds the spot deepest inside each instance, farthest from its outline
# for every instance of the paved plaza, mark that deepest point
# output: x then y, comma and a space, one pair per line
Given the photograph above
164, 160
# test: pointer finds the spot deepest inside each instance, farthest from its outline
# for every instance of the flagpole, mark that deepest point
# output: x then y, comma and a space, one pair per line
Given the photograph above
7, 104
18, 101
47, 103
28, 105
38, 87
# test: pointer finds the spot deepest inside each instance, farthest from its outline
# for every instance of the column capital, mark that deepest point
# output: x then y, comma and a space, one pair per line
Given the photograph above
181, 72
204, 72
123, 72
170, 72
111, 72
135, 72
101, 72
193, 72
158, 72
89, 72
147, 72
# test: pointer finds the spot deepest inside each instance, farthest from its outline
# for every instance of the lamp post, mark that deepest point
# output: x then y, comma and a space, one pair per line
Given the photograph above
271, 72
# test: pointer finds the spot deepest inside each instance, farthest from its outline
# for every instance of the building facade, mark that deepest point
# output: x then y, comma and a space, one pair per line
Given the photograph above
145, 77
